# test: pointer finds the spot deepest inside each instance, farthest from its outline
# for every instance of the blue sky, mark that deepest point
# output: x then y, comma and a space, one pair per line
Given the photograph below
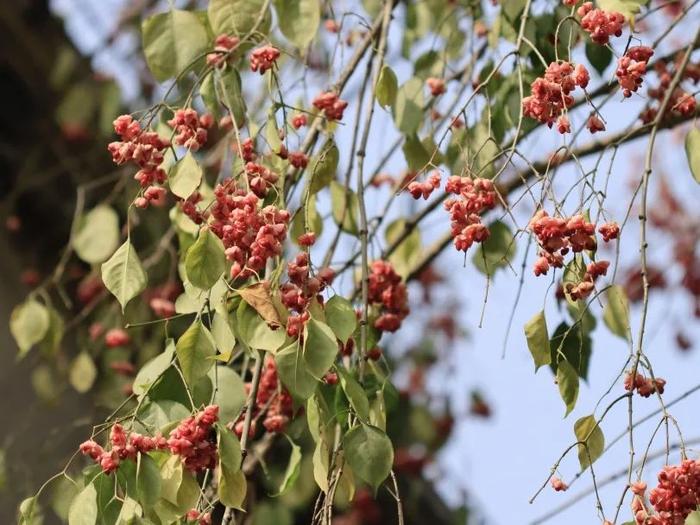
500, 463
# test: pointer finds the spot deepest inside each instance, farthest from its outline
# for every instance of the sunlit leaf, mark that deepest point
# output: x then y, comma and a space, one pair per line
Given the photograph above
96, 234
124, 275
591, 440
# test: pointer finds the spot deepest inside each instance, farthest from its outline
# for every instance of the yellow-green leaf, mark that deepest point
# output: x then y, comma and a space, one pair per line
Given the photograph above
567, 378
124, 275
692, 151
617, 311
591, 440
538, 340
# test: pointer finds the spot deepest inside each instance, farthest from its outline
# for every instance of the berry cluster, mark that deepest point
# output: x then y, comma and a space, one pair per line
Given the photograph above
189, 208
551, 95
190, 128
675, 497
251, 235
556, 236
246, 150
192, 440
643, 385
631, 68
222, 49
260, 178
117, 337
193, 516
558, 485
681, 102
123, 447
144, 148
584, 288
387, 290
436, 86
298, 159
299, 120
476, 196
263, 58
298, 293
424, 189
331, 104
272, 399
601, 25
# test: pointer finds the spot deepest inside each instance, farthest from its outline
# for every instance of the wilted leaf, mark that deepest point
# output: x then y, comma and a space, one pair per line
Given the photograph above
258, 296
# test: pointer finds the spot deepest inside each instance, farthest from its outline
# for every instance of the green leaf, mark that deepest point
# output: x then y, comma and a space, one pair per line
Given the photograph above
124, 275
320, 347
230, 455
369, 453
298, 20
96, 234
341, 317
692, 151
232, 488
417, 157
355, 394
222, 332
409, 251
82, 373
229, 91
163, 414
307, 212
629, 8
293, 469
616, 313
172, 41
692, 519
148, 484
387, 87
255, 332
62, 494
205, 261
185, 176
29, 512
232, 482
321, 464
230, 394
408, 108
153, 369
293, 372
513, 8
324, 167
171, 473
591, 440
345, 207
238, 17
29, 323
195, 352
574, 345
83, 509
538, 340
600, 57
567, 378
130, 512
497, 251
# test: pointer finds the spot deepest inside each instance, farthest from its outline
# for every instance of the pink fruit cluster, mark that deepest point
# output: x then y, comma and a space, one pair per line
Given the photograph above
193, 516
144, 148
556, 236
223, 45
599, 24
551, 95
272, 399
330, 104
263, 58
673, 499
123, 447
436, 86
190, 128
260, 178
251, 234
192, 440
387, 290
301, 289
631, 68
475, 196
424, 189
644, 386
299, 120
